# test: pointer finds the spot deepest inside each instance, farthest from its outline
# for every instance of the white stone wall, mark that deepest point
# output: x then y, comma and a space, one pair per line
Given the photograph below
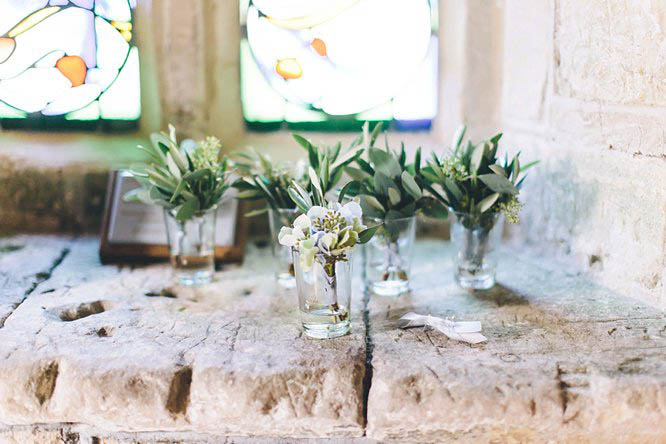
584, 89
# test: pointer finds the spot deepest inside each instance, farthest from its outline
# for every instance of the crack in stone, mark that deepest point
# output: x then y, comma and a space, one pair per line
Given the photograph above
369, 349
179, 391
40, 277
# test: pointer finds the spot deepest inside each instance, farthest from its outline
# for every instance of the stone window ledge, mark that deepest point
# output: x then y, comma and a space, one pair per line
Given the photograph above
93, 352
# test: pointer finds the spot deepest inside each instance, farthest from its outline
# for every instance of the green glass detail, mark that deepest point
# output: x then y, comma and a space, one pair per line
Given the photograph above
7, 112
90, 112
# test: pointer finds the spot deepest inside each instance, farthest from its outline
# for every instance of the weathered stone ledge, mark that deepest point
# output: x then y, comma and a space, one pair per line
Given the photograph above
93, 353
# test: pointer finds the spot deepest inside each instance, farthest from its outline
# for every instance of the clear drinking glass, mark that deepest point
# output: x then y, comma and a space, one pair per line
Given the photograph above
475, 240
284, 261
192, 247
324, 297
388, 256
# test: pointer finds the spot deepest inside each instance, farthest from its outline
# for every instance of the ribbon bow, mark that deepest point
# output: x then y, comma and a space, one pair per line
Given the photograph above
468, 331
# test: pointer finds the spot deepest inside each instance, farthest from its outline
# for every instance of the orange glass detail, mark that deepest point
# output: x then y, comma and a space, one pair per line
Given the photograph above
74, 68
319, 46
289, 68
6, 48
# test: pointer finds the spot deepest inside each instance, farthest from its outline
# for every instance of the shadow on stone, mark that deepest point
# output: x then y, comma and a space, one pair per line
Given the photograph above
500, 296
45, 382
179, 391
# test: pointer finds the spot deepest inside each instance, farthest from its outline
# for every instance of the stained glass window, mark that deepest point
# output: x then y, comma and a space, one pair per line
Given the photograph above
332, 64
68, 63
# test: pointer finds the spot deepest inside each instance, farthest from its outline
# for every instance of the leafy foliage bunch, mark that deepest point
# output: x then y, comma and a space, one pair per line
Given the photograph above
261, 178
474, 183
389, 186
188, 179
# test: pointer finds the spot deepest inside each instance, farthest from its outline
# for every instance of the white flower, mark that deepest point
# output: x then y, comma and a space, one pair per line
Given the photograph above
303, 223
350, 211
317, 212
326, 241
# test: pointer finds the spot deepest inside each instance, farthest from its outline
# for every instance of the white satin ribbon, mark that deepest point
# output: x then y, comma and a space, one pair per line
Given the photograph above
466, 331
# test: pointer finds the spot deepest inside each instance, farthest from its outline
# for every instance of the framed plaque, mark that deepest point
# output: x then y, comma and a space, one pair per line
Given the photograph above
136, 232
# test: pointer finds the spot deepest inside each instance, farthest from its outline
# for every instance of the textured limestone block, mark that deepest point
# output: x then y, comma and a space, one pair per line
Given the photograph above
611, 51
528, 49
565, 360
600, 208
25, 261
117, 350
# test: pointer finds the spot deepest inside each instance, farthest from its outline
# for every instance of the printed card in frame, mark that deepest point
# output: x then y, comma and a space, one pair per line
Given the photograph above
136, 232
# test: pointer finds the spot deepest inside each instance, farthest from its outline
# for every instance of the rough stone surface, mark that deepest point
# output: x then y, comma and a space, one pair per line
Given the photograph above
102, 354
565, 361
612, 51
113, 349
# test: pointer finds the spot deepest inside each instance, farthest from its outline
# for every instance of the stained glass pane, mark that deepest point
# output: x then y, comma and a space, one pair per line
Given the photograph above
331, 62
68, 61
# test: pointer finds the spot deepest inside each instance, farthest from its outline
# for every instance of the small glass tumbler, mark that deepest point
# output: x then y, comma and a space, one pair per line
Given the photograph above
475, 241
284, 262
192, 247
388, 256
324, 296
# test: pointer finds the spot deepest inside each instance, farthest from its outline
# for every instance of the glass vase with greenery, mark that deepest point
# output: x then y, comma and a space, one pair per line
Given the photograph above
389, 191
477, 187
188, 181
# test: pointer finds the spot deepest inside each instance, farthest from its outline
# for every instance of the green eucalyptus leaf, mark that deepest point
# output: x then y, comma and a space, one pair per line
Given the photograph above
179, 189
394, 196
365, 166
173, 168
375, 133
428, 174
384, 162
410, 185
298, 200
382, 183
498, 184
487, 203
432, 208
355, 173
302, 193
528, 165
160, 144
475, 160
372, 201
451, 187
497, 170
302, 141
347, 158
337, 175
178, 158
352, 188
367, 234
188, 209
